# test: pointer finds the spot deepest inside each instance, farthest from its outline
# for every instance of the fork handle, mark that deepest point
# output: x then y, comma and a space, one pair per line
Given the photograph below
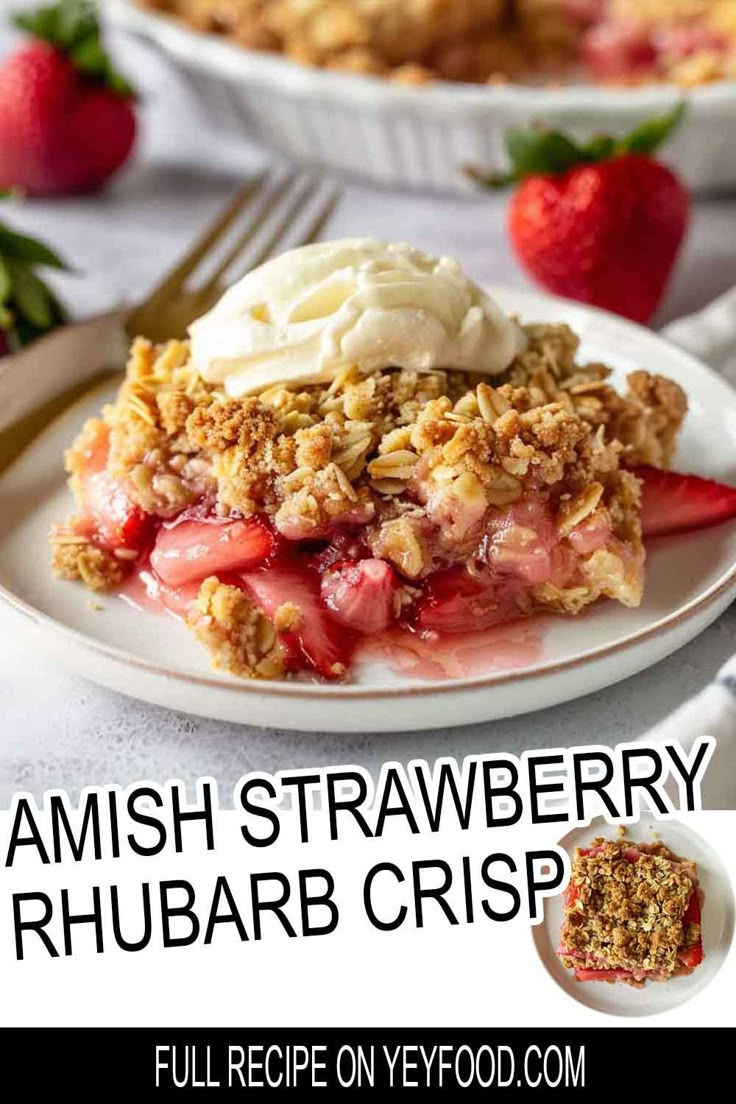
58, 362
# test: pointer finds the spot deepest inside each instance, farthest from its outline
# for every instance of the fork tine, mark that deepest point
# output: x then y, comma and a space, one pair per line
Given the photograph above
175, 279
277, 194
287, 219
321, 217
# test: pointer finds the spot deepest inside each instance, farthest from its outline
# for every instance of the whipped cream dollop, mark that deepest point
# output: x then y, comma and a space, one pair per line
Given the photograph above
303, 316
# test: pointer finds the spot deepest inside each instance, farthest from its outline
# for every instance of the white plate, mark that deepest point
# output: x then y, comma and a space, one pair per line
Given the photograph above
691, 580
421, 137
718, 924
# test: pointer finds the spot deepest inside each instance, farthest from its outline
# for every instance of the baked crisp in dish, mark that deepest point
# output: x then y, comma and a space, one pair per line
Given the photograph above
632, 914
304, 473
620, 41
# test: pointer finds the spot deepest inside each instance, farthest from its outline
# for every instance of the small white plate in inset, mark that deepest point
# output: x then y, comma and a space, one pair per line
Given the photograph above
617, 999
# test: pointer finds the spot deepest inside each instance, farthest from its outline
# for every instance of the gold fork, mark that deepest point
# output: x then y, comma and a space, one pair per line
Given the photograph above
274, 205
273, 211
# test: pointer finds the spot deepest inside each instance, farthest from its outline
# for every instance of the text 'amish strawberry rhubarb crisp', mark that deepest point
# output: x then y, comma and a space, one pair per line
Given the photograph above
632, 914
357, 441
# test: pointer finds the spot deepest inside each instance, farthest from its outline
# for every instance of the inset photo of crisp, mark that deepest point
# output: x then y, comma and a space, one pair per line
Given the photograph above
645, 922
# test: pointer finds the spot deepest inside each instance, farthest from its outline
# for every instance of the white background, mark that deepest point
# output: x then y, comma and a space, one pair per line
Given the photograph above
482, 974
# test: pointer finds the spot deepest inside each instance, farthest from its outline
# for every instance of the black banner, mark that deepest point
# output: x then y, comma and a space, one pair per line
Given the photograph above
171, 1063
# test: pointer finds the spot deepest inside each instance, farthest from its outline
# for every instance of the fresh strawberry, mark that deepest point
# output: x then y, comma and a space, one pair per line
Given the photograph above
190, 550
323, 643
360, 594
67, 120
28, 308
601, 223
672, 502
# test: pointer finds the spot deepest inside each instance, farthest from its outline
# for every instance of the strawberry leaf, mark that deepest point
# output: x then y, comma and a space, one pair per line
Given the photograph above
28, 308
543, 152
539, 152
31, 296
600, 148
649, 136
6, 284
18, 247
73, 27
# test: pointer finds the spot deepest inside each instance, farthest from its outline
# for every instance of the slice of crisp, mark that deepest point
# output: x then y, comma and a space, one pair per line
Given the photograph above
631, 913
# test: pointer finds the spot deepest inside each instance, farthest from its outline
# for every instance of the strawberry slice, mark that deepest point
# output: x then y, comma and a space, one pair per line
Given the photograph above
360, 594
601, 975
672, 503
693, 912
455, 601
324, 644
692, 956
192, 549
571, 895
177, 600
116, 521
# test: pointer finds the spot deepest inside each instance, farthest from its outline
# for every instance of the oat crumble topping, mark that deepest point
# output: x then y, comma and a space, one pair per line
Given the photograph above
428, 467
628, 915
482, 41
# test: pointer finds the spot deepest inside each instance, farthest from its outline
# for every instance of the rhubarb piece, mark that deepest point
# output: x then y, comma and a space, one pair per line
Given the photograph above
361, 594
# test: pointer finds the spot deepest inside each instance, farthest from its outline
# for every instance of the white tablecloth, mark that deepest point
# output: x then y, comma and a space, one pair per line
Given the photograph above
59, 730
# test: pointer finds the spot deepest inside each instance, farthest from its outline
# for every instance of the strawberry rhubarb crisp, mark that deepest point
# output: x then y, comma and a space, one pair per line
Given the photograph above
689, 42
632, 914
357, 440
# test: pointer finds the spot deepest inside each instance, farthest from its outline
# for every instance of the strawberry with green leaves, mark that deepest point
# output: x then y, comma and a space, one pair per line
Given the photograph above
67, 118
28, 308
601, 222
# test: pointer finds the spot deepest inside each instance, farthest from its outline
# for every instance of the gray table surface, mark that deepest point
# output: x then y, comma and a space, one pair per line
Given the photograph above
59, 730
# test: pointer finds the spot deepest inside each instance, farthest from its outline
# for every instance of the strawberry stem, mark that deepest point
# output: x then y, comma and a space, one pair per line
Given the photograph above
73, 27
540, 151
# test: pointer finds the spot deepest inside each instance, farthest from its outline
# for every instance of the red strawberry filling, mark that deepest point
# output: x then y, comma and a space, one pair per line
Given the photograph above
596, 968
110, 515
187, 550
616, 51
289, 593
620, 51
325, 596
361, 594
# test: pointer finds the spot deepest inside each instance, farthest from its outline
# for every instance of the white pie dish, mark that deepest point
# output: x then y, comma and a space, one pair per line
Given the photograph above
691, 578
718, 924
421, 137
